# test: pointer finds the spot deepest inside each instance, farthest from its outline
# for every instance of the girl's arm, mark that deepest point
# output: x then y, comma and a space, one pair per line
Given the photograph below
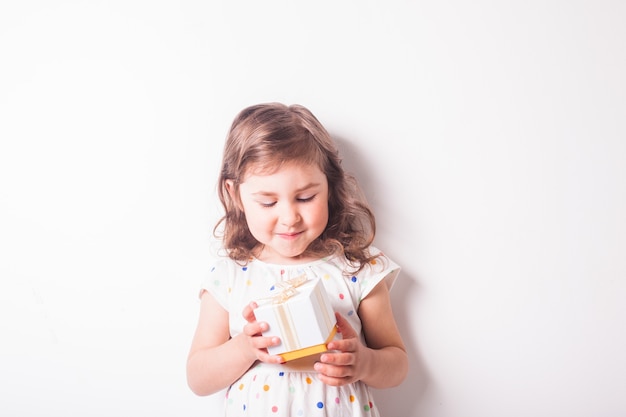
383, 363
215, 359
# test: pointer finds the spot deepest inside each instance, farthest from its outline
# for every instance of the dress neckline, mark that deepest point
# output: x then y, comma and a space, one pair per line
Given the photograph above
296, 265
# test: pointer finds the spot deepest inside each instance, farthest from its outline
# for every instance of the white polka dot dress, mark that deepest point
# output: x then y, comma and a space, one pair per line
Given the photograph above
284, 390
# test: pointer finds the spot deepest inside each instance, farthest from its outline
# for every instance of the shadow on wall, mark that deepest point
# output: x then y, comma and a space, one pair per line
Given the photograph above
404, 399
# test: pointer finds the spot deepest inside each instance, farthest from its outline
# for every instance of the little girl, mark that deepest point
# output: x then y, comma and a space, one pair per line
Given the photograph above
290, 209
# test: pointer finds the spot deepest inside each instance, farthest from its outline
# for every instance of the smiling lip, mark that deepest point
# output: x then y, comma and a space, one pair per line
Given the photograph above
289, 236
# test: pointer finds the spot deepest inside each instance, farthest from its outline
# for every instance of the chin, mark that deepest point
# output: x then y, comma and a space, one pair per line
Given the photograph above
293, 256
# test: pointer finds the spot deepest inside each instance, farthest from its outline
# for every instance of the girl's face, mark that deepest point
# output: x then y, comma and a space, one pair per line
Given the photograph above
286, 210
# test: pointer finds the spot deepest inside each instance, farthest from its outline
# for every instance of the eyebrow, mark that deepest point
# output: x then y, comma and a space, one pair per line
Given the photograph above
299, 190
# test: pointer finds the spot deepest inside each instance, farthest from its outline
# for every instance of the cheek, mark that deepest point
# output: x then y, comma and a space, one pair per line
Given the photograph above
260, 220
254, 217
321, 216
258, 229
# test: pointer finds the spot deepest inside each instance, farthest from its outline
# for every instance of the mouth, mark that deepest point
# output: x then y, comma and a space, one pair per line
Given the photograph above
289, 236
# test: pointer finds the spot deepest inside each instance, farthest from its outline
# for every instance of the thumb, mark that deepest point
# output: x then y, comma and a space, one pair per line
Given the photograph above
344, 327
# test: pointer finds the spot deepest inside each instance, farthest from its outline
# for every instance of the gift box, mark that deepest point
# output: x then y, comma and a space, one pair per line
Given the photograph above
300, 314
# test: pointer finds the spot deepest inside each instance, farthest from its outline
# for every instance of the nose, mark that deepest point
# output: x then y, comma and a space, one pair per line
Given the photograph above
289, 215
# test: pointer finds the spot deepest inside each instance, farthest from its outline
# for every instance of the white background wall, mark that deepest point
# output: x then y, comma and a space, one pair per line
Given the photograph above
490, 137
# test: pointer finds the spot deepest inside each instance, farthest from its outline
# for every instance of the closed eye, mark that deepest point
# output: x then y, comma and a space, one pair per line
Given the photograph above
269, 204
306, 200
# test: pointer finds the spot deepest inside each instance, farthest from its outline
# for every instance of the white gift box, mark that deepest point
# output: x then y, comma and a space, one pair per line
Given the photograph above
300, 314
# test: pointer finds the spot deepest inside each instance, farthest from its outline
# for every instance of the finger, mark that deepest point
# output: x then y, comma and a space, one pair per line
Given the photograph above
263, 356
337, 359
335, 382
260, 342
344, 327
333, 375
255, 328
343, 345
248, 312
330, 370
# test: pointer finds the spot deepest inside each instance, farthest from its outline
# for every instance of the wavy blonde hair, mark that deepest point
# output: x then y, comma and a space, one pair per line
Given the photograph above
261, 139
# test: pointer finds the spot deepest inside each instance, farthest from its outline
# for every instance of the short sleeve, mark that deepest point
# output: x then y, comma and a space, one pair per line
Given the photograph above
381, 269
217, 282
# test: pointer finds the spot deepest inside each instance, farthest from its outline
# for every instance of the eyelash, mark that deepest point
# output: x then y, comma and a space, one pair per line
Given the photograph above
299, 200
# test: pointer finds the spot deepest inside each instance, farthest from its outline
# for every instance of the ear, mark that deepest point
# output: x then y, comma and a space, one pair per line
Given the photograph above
232, 193
230, 187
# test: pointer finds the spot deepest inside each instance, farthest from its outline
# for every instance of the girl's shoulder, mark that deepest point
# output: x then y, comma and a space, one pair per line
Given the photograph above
382, 262
225, 269
379, 264
380, 268
223, 262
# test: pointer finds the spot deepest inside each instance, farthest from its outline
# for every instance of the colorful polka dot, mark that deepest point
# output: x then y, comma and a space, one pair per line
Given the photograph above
261, 390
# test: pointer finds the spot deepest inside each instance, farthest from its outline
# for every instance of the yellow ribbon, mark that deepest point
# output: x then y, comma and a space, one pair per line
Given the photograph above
287, 290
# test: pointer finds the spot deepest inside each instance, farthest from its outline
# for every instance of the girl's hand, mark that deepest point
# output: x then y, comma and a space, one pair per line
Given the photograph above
346, 366
259, 343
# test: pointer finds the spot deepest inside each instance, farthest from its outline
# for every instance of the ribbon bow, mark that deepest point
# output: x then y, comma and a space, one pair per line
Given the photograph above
287, 290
